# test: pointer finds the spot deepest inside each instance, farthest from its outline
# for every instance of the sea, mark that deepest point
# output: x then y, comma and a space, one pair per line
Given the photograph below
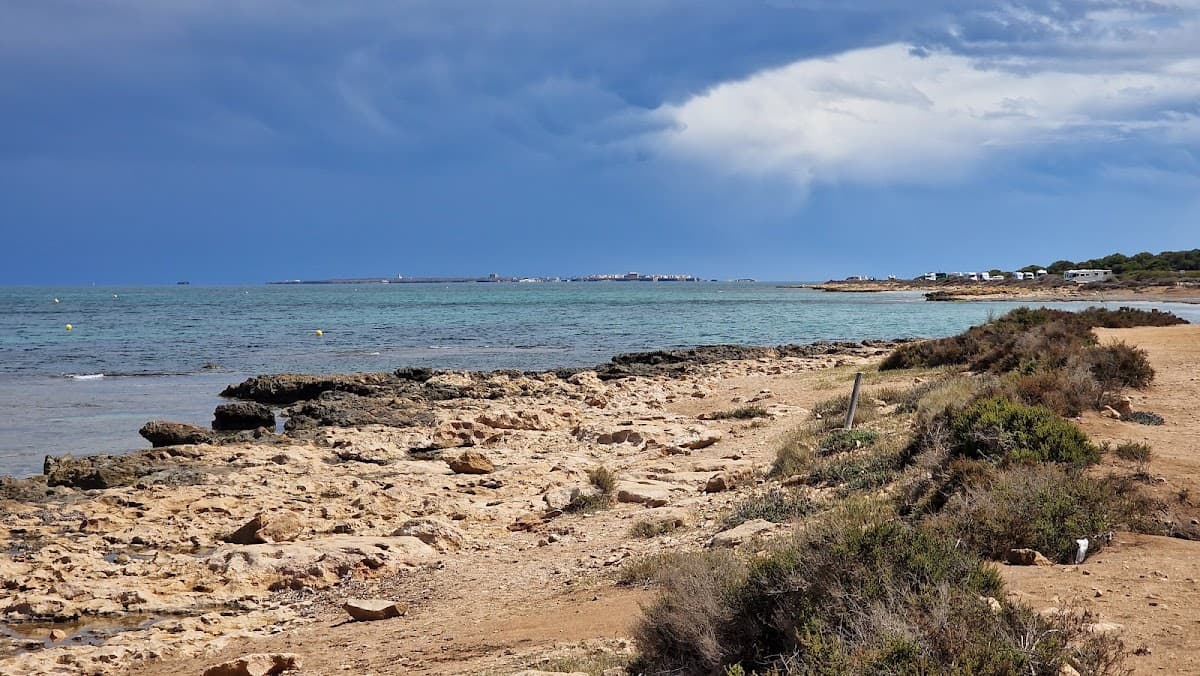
135, 354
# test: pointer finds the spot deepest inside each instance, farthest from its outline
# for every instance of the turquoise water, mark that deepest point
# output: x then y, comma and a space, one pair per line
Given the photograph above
166, 351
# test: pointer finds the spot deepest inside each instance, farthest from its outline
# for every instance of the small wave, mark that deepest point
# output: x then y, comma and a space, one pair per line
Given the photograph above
91, 376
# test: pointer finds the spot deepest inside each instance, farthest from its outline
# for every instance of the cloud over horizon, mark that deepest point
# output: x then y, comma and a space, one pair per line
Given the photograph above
900, 114
581, 136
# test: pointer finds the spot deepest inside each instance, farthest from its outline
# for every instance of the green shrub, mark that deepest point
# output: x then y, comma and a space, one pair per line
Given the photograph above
606, 481
740, 413
1118, 366
840, 441
795, 453
1005, 432
669, 566
777, 505
831, 413
1133, 451
652, 529
1043, 507
859, 471
1024, 338
603, 478
856, 593
1067, 391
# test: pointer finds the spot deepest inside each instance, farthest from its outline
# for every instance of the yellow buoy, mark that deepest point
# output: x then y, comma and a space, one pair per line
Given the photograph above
319, 333
68, 327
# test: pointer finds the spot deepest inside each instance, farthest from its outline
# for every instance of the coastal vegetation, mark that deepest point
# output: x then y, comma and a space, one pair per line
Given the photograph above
892, 571
1144, 263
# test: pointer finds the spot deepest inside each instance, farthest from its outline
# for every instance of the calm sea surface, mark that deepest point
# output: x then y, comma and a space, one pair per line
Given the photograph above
165, 352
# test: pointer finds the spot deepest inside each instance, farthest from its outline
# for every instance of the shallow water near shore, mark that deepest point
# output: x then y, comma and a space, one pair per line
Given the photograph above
139, 353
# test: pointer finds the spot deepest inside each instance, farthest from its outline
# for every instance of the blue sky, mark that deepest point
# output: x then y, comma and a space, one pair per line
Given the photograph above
144, 141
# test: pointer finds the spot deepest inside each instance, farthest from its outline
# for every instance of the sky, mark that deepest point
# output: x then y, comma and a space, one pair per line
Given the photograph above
216, 141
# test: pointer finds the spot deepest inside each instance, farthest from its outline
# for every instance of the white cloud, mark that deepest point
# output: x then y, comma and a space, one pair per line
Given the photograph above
886, 114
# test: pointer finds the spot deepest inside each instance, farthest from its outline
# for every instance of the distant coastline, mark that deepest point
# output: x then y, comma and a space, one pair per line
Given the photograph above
495, 279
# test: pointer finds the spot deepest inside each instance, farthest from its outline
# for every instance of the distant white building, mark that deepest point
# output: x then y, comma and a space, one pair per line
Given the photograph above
1087, 276
1023, 275
1041, 273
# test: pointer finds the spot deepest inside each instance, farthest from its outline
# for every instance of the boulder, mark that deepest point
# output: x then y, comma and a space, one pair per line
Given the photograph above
371, 610
470, 462
435, 532
164, 433
243, 415
1124, 406
651, 494
1027, 557
266, 528
561, 498
288, 388
697, 438
107, 471
717, 483
739, 534
1110, 412
258, 664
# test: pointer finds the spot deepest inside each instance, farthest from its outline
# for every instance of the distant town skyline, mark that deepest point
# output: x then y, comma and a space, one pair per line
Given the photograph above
226, 142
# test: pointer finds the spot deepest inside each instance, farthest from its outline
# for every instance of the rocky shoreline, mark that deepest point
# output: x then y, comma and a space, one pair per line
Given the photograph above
234, 531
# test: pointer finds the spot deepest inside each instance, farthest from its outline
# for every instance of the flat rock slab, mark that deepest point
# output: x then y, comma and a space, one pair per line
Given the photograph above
370, 610
739, 534
258, 664
651, 494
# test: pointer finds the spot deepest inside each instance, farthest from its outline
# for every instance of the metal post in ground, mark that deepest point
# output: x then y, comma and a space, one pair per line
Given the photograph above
853, 402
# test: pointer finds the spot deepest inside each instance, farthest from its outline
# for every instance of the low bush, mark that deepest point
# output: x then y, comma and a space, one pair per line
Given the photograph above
777, 505
1133, 451
1023, 339
853, 593
601, 478
1004, 432
673, 566
831, 413
1118, 366
1143, 418
795, 453
1045, 508
740, 413
840, 441
1067, 391
859, 471
653, 529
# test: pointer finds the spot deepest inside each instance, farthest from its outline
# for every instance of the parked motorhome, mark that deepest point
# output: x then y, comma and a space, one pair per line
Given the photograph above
1087, 276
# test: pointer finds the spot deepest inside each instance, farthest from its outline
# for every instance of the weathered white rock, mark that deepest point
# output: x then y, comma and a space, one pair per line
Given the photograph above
314, 563
470, 462
740, 534
258, 664
267, 528
652, 494
371, 610
697, 438
561, 498
435, 532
